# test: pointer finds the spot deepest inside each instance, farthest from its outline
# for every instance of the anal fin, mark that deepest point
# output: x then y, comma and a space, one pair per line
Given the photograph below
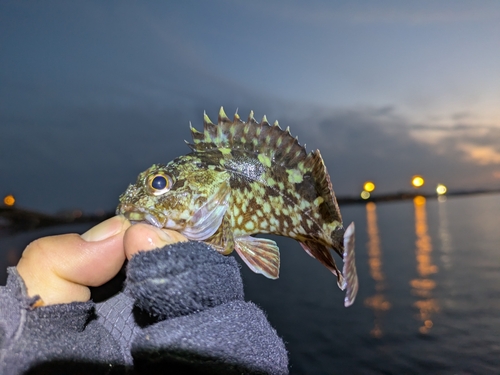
260, 254
349, 269
307, 250
322, 253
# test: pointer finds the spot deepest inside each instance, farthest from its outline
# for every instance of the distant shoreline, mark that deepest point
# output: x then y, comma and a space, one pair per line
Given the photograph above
14, 219
402, 196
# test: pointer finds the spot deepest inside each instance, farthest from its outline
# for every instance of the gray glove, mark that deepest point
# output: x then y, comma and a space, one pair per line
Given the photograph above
182, 311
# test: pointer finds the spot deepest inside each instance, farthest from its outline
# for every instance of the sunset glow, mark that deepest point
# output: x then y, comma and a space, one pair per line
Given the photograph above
482, 155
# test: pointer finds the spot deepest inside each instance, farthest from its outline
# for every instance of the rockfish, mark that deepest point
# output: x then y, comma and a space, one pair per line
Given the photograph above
244, 178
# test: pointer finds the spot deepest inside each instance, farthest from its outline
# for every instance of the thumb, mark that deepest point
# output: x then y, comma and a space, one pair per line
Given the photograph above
59, 268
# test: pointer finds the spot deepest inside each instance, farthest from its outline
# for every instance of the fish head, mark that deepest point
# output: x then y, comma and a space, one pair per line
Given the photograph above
181, 196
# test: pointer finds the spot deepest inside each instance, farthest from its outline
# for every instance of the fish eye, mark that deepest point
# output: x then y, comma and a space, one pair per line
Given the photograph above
159, 183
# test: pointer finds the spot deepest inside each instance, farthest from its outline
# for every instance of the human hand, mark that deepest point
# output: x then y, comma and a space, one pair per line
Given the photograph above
61, 268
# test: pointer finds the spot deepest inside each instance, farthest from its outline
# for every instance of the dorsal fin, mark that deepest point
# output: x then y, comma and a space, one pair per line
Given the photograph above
278, 145
262, 138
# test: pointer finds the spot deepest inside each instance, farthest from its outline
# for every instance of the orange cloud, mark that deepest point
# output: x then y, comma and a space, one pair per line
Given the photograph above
482, 155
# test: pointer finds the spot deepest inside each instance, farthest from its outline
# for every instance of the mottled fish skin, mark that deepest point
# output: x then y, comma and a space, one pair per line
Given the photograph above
244, 178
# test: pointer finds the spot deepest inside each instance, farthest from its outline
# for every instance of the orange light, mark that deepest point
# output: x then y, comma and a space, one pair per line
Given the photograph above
369, 186
9, 200
417, 181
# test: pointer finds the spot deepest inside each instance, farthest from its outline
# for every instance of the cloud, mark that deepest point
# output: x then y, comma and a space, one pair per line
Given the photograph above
483, 155
477, 142
379, 144
452, 128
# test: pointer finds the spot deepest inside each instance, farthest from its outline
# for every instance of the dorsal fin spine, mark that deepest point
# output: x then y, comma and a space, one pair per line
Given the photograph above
206, 119
262, 138
222, 116
264, 121
251, 119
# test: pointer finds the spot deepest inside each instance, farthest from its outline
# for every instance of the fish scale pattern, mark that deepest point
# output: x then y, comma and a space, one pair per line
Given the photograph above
241, 179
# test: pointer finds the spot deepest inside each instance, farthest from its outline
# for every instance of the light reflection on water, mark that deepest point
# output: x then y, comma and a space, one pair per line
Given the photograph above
377, 302
444, 234
423, 286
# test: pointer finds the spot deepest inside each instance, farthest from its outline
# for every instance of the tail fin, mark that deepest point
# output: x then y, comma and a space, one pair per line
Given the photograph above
349, 270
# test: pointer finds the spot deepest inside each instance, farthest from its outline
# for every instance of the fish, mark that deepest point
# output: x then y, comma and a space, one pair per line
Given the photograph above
242, 179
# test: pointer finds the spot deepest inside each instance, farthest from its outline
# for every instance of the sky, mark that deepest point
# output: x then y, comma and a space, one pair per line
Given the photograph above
94, 92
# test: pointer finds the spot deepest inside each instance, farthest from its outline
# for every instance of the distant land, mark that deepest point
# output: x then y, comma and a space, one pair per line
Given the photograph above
14, 219
401, 196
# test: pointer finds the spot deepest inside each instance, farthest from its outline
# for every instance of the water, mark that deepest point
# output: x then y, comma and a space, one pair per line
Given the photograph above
429, 299
429, 294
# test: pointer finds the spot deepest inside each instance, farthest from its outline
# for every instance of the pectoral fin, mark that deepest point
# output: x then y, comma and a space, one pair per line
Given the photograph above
349, 270
260, 254
208, 218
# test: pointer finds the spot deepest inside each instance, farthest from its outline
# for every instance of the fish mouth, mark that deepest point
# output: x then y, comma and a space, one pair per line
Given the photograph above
137, 216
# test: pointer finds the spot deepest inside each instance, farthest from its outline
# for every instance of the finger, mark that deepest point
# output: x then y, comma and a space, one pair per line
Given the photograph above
59, 268
144, 237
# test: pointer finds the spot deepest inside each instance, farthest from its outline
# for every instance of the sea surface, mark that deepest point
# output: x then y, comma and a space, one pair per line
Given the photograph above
429, 299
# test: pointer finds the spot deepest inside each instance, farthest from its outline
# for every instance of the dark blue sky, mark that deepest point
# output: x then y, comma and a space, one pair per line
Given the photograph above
93, 92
